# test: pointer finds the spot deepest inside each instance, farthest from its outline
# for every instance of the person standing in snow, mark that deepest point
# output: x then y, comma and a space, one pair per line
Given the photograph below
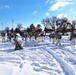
3, 36
58, 38
72, 37
52, 37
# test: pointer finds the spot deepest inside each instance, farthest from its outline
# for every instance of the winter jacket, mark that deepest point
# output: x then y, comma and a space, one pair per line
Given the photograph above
58, 36
53, 35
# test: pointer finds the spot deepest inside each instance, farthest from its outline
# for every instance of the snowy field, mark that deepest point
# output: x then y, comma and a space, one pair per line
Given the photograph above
44, 59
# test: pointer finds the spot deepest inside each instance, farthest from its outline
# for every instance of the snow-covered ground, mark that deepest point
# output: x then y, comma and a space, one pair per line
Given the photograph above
44, 59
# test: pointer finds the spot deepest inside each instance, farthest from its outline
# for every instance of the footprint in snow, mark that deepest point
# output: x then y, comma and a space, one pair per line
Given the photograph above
21, 66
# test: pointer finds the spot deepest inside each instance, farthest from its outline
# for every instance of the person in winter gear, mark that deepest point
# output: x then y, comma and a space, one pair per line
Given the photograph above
3, 36
52, 37
17, 45
58, 38
72, 37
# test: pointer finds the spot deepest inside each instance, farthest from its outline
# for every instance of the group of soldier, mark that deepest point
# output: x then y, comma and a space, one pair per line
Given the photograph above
55, 36
11, 37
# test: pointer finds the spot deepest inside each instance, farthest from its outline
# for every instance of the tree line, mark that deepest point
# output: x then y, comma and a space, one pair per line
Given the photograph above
51, 25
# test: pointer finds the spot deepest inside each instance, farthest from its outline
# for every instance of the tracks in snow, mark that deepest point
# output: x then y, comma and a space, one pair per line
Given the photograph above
66, 68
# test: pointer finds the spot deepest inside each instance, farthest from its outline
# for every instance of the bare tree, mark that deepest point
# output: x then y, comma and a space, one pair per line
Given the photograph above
44, 22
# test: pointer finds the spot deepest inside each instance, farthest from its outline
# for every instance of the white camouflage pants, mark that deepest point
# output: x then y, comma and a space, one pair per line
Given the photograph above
58, 42
3, 39
72, 42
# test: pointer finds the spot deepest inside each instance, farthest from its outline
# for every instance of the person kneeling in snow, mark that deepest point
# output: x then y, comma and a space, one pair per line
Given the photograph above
17, 45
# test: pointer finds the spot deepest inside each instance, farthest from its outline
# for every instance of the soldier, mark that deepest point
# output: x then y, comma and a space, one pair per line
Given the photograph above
9, 36
17, 45
50, 36
3, 36
42, 36
58, 38
72, 38
53, 37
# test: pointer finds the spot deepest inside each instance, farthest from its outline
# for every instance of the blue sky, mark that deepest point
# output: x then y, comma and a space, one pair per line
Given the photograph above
27, 12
